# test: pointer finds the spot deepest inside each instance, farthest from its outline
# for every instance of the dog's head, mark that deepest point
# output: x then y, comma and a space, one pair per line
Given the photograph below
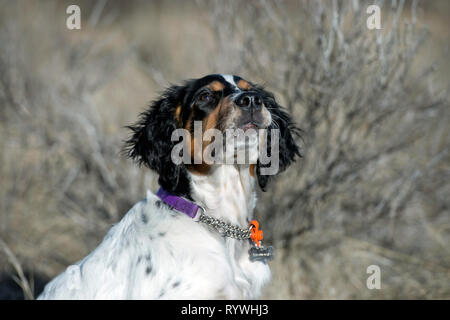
218, 102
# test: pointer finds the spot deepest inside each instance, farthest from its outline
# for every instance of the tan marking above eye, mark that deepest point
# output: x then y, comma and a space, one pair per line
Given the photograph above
244, 85
216, 86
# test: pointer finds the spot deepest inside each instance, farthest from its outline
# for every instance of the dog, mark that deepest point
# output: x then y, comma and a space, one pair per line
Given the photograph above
196, 238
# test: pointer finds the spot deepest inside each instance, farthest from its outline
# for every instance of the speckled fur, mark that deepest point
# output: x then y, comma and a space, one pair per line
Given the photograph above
157, 253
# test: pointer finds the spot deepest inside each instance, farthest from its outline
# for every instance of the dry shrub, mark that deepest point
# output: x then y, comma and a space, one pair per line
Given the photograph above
372, 186
63, 181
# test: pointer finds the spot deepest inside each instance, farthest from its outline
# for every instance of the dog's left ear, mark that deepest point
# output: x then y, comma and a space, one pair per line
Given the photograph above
150, 143
288, 148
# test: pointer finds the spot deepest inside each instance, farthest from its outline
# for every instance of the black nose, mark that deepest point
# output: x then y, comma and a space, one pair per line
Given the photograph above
249, 100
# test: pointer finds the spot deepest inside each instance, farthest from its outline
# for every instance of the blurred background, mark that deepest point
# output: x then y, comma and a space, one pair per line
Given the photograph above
373, 185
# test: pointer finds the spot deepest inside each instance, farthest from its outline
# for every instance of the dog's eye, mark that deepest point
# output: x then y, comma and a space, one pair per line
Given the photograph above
205, 97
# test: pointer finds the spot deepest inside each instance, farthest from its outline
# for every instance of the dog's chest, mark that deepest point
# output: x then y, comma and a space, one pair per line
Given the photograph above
201, 266
158, 254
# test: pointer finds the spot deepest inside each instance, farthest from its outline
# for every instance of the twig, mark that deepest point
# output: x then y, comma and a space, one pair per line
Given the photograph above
20, 279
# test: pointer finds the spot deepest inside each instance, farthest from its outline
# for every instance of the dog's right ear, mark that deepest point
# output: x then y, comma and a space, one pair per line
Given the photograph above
150, 143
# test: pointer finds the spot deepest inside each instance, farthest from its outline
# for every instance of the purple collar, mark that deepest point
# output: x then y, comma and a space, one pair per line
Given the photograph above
180, 204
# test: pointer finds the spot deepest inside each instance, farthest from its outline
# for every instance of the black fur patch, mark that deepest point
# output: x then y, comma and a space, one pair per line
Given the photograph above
148, 270
288, 148
150, 143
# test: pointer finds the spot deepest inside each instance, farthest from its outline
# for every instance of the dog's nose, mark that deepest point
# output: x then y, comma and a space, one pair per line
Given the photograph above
249, 100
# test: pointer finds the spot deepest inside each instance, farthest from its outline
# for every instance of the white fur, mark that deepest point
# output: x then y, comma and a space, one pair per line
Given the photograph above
230, 79
157, 253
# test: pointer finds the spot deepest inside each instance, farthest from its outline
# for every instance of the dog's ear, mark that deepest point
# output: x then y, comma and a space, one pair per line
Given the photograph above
288, 148
150, 143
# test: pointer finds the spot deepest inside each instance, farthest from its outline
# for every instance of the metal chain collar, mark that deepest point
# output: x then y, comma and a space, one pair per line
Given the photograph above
226, 229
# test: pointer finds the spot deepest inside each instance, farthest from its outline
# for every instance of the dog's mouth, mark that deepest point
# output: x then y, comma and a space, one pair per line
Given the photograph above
249, 125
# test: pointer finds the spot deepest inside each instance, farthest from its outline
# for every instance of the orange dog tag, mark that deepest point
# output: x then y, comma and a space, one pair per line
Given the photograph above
256, 233
257, 252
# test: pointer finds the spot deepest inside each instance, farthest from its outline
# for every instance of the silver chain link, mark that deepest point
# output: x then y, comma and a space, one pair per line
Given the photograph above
225, 229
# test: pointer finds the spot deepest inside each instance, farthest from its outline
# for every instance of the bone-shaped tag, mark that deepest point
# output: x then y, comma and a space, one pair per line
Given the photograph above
261, 253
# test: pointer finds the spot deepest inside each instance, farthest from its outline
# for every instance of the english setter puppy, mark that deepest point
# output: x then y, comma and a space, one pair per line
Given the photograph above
195, 238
